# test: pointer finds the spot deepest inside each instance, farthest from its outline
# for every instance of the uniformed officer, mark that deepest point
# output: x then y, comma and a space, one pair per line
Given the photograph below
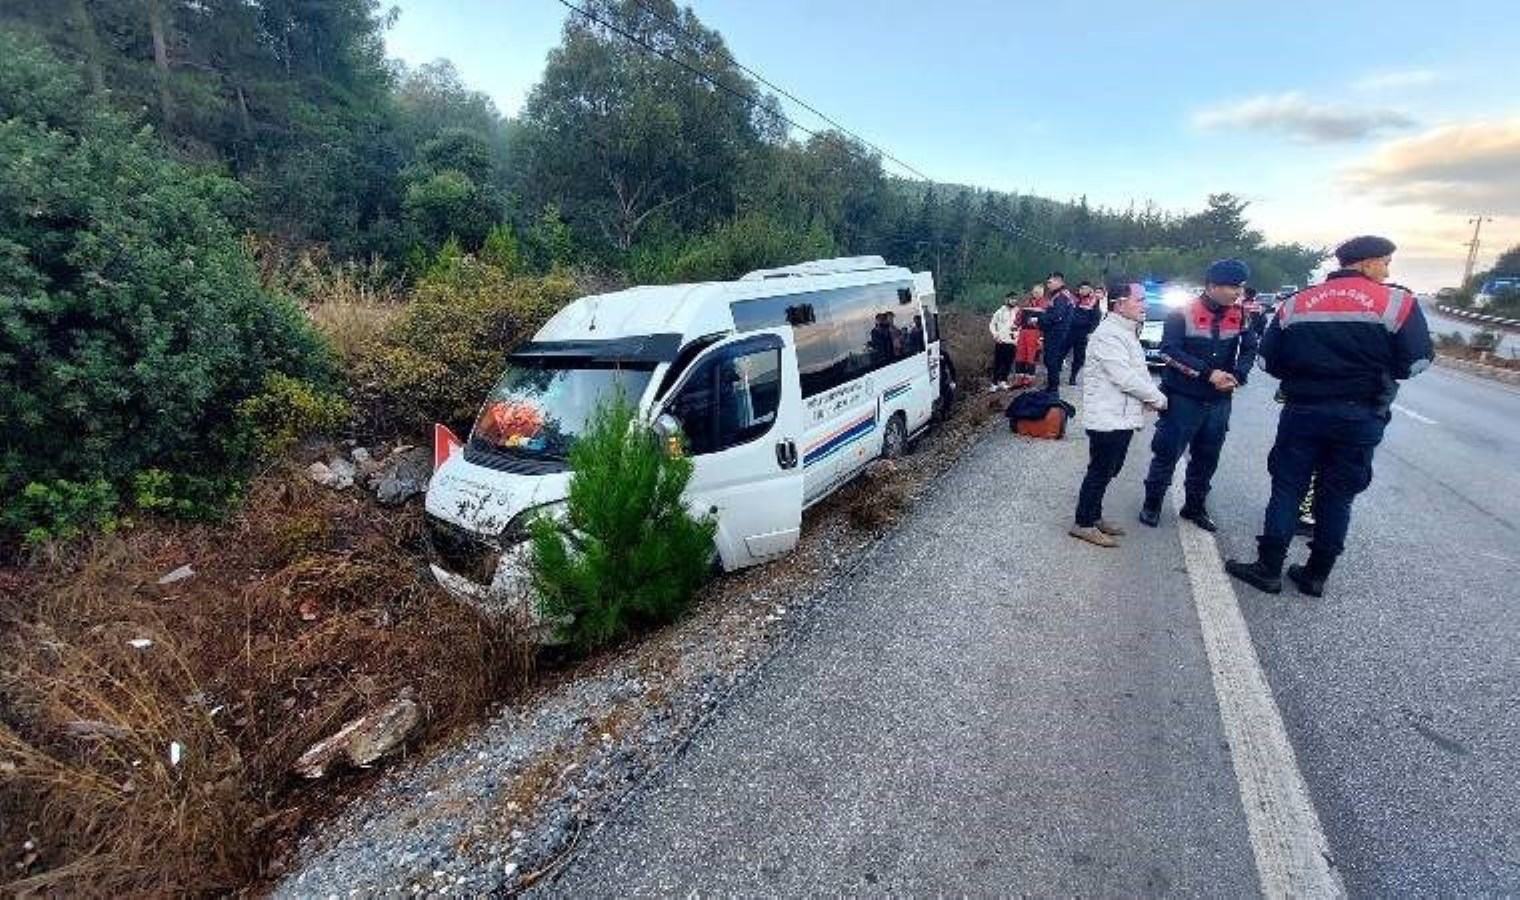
1339, 348
1209, 349
1055, 328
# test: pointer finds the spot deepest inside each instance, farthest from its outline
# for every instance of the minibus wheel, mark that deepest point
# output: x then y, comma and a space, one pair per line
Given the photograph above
894, 445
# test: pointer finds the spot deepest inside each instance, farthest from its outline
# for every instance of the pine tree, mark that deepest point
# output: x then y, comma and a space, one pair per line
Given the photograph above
627, 554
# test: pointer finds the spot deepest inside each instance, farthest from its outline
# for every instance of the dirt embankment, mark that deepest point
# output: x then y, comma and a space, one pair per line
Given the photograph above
150, 714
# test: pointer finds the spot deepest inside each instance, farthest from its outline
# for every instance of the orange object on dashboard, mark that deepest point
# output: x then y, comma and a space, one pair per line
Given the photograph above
508, 423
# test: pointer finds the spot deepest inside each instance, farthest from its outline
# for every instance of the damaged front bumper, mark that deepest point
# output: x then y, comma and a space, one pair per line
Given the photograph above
492, 575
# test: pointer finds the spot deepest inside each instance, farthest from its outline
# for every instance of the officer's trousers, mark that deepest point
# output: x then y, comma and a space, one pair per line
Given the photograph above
1057, 345
1335, 440
1197, 427
1078, 352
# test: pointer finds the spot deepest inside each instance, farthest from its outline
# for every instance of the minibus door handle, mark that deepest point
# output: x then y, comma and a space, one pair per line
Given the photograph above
786, 454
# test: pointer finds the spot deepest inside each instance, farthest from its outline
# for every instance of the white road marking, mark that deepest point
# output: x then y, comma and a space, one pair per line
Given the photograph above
1399, 407
1292, 855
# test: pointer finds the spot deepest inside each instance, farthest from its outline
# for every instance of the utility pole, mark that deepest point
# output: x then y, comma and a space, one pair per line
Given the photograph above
1472, 249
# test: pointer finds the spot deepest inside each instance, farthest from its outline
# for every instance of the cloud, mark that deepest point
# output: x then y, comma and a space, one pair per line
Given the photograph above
1390, 81
1464, 168
1300, 118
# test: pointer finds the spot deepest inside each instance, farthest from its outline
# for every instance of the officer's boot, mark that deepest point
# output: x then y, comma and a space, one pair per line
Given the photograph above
1310, 577
1265, 574
1150, 511
1194, 511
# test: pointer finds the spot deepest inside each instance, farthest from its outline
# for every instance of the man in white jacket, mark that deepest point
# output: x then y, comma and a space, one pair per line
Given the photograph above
1116, 394
1003, 335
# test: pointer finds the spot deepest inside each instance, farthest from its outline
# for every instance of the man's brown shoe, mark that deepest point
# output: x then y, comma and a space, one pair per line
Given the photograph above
1092, 535
1110, 528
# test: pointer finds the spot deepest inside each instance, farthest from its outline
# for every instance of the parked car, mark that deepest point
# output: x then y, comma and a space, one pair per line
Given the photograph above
1496, 287
1160, 299
781, 386
1286, 291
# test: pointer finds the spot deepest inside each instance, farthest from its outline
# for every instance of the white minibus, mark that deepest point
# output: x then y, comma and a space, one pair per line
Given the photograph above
784, 385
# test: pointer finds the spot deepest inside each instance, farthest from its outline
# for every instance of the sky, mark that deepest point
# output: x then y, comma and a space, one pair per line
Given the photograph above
1399, 118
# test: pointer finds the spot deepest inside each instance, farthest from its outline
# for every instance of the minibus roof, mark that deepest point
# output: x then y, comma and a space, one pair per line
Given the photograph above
695, 310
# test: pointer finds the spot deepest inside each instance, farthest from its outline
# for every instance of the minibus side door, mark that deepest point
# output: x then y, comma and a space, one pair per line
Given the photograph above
739, 408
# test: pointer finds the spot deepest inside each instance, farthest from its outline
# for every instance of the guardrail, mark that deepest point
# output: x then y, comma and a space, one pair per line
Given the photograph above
1471, 316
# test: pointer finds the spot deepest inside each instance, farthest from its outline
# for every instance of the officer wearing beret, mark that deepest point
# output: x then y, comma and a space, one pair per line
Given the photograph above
1339, 349
1209, 349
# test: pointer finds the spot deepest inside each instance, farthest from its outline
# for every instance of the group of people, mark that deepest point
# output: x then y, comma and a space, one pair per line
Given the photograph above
1338, 350
1051, 321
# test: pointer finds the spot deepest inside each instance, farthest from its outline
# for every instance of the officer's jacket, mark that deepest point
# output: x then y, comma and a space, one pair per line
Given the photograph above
1057, 318
1346, 339
1202, 338
1085, 314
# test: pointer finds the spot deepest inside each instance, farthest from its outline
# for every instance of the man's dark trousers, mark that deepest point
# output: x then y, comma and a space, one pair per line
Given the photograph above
1078, 353
1002, 361
1106, 452
1197, 427
1056, 346
1337, 440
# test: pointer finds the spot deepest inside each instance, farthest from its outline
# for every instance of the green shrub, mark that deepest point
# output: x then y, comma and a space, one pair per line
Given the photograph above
132, 323
551, 246
627, 554
439, 359
288, 410
60, 510
186, 496
502, 251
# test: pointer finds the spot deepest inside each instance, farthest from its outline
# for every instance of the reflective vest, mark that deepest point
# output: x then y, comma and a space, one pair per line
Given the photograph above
1359, 300
1345, 339
1211, 339
1200, 323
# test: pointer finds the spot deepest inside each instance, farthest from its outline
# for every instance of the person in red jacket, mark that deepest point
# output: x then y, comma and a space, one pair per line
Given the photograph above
1027, 350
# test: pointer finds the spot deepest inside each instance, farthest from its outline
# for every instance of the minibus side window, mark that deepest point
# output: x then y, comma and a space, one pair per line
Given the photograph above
730, 399
876, 328
683, 359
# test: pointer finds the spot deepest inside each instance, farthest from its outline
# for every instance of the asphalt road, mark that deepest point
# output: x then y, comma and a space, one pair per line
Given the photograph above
1401, 690
993, 708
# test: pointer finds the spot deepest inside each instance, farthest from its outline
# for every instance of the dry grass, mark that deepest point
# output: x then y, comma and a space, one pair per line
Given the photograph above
310, 609
877, 499
352, 302
353, 326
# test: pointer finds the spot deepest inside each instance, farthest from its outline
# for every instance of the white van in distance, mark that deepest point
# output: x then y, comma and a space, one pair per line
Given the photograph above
785, 384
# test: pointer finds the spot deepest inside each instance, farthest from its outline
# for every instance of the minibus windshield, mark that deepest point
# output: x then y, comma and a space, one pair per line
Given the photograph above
538, 411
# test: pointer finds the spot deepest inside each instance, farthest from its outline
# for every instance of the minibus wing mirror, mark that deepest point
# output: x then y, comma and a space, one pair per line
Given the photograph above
667, 428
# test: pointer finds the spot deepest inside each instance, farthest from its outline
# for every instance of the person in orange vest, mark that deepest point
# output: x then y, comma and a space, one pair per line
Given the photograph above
1027, 350
1340, 348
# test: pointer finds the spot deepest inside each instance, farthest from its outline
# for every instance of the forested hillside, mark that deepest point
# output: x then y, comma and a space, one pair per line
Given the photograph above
658, 172
179, 175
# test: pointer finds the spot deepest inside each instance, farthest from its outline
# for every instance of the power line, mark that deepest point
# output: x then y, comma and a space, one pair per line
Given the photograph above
633, 38
682, 33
